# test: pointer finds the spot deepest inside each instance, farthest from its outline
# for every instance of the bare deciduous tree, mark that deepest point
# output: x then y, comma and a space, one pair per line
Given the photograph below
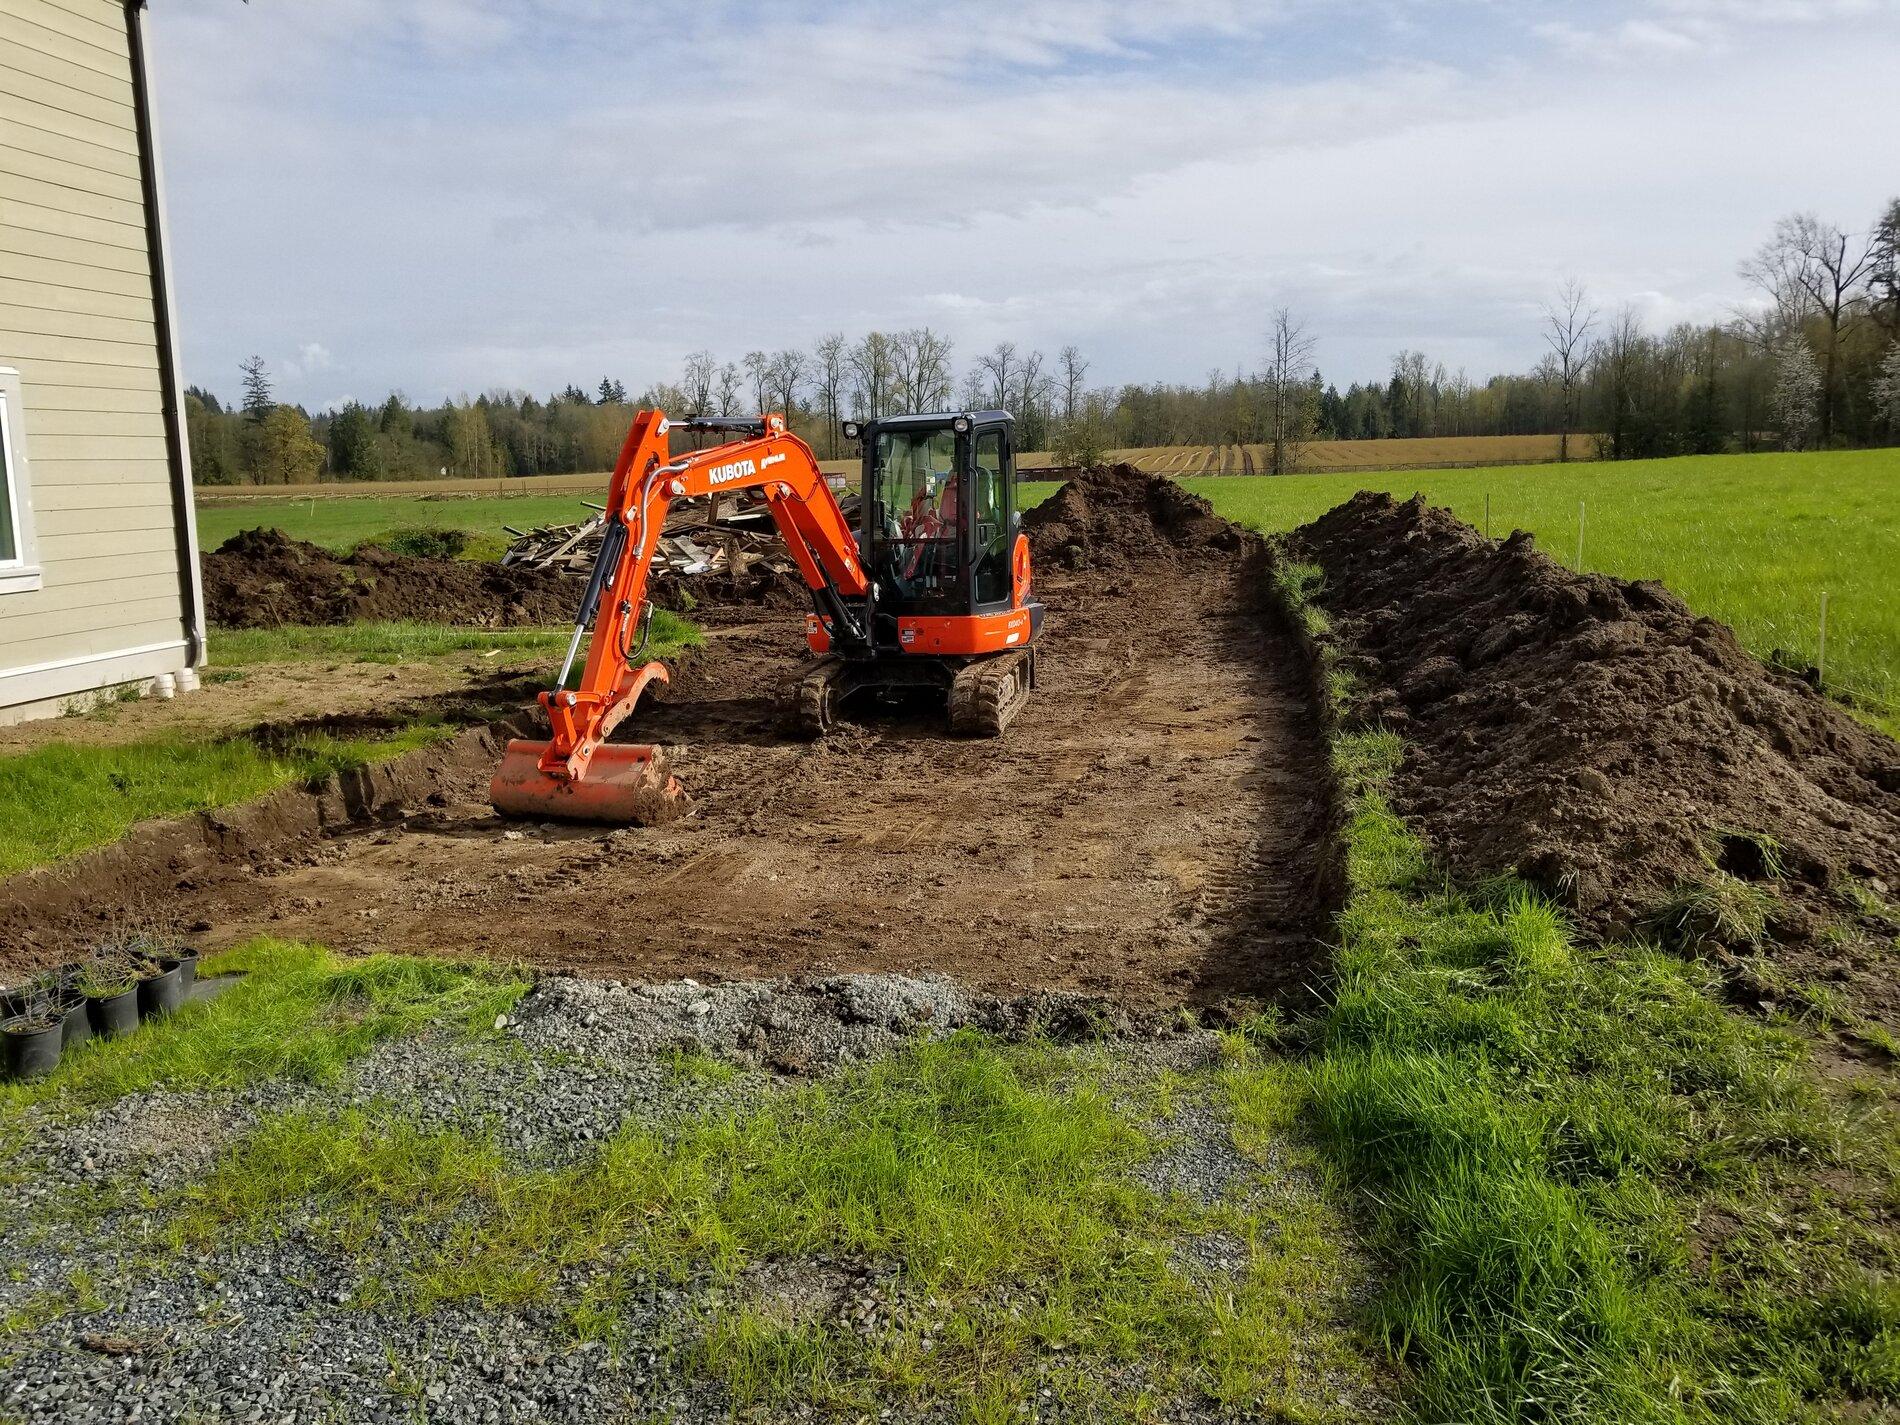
830, 361
975, 388
1034, 390
1074, 370
696, 384
726, 388
998, 374
921, 369
787, 373
1567, 324
870, 362
1812, 268
1289, 392
758, 375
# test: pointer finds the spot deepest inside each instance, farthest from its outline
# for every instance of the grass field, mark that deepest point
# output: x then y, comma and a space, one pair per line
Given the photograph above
1423, 452
343, 524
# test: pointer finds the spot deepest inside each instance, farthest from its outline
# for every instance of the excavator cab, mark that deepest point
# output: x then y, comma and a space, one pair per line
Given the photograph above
949, 608
939, 511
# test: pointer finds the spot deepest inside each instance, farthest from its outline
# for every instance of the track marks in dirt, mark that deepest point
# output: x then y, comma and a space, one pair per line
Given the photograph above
1148, 829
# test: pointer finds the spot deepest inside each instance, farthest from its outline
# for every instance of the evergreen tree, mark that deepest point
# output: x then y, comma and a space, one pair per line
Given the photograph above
258, 401
354, 452
396, 422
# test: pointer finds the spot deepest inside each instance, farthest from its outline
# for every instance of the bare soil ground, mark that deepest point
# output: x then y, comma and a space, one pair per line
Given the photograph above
1151, 827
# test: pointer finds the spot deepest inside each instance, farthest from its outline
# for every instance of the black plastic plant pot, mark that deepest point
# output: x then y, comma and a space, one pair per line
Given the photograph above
163, 992
76, 1024
33, 1053
113, 1015
187, 957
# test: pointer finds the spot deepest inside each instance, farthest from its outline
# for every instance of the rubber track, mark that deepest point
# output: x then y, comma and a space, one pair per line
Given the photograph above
987, 696
809, 698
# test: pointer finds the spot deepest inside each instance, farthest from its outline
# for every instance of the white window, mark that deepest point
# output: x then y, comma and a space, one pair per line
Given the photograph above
19, 562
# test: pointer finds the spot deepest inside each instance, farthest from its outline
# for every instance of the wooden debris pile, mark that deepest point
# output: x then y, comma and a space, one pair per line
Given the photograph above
731, 535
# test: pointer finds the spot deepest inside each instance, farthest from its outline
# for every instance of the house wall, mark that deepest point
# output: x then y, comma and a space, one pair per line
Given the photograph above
81, 321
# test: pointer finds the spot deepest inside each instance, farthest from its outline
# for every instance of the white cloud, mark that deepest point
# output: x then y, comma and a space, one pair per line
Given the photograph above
457, 194
1661, 29
311, 357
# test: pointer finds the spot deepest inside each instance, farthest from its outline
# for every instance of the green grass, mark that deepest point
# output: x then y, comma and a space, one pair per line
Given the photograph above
1603, 1197
443, 542
342, 524
299, 1013
996, 1180
64, 798
410, 642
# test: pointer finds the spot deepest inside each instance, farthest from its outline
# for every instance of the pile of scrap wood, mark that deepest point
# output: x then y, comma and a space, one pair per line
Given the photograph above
732, 535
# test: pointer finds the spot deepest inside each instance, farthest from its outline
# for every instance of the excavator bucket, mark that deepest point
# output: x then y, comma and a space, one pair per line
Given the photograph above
624, 785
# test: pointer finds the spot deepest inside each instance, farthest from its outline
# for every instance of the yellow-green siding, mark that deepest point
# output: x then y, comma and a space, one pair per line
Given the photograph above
80, 322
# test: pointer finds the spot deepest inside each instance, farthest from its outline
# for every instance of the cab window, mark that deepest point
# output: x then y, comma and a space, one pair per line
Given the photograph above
991, 517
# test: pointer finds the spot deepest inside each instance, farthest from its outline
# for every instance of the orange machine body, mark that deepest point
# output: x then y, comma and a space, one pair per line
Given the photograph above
576, 774
949, 635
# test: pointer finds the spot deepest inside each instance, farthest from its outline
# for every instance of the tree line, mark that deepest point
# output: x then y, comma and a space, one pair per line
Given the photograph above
1815, 365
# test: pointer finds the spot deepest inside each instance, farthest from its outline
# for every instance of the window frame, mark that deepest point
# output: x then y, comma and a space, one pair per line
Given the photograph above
22, 573
1005, 503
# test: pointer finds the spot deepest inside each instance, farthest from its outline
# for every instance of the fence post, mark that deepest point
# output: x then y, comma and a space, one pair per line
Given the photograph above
1579, 536
1820, 658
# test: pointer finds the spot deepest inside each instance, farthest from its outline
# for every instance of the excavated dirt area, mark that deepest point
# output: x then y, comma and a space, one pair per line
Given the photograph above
262, 578
1601, 740
1151, 828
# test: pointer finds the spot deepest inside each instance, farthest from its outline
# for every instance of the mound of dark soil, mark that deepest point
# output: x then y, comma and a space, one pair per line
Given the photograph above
262, 578
1115, 515
1591, 734
758, 588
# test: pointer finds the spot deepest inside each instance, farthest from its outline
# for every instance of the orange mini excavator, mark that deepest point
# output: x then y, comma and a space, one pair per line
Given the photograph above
930, 595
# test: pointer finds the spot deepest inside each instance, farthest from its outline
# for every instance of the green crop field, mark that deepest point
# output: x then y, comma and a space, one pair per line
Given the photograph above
1753, 540
344, 523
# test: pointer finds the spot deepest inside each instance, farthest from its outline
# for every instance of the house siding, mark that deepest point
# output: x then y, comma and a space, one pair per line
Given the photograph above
80, 322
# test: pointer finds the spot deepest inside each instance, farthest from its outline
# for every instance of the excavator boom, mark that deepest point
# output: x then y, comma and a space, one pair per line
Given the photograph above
575, 774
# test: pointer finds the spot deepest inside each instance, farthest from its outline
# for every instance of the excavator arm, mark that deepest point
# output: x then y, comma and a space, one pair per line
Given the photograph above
573, 775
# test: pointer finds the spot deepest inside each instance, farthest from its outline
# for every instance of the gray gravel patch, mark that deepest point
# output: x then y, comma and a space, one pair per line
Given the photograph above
277, 1329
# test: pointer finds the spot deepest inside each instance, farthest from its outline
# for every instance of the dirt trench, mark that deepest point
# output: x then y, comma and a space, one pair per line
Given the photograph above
1150, 829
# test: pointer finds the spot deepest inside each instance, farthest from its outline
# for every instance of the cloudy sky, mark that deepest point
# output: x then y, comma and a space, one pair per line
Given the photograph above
446, 196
